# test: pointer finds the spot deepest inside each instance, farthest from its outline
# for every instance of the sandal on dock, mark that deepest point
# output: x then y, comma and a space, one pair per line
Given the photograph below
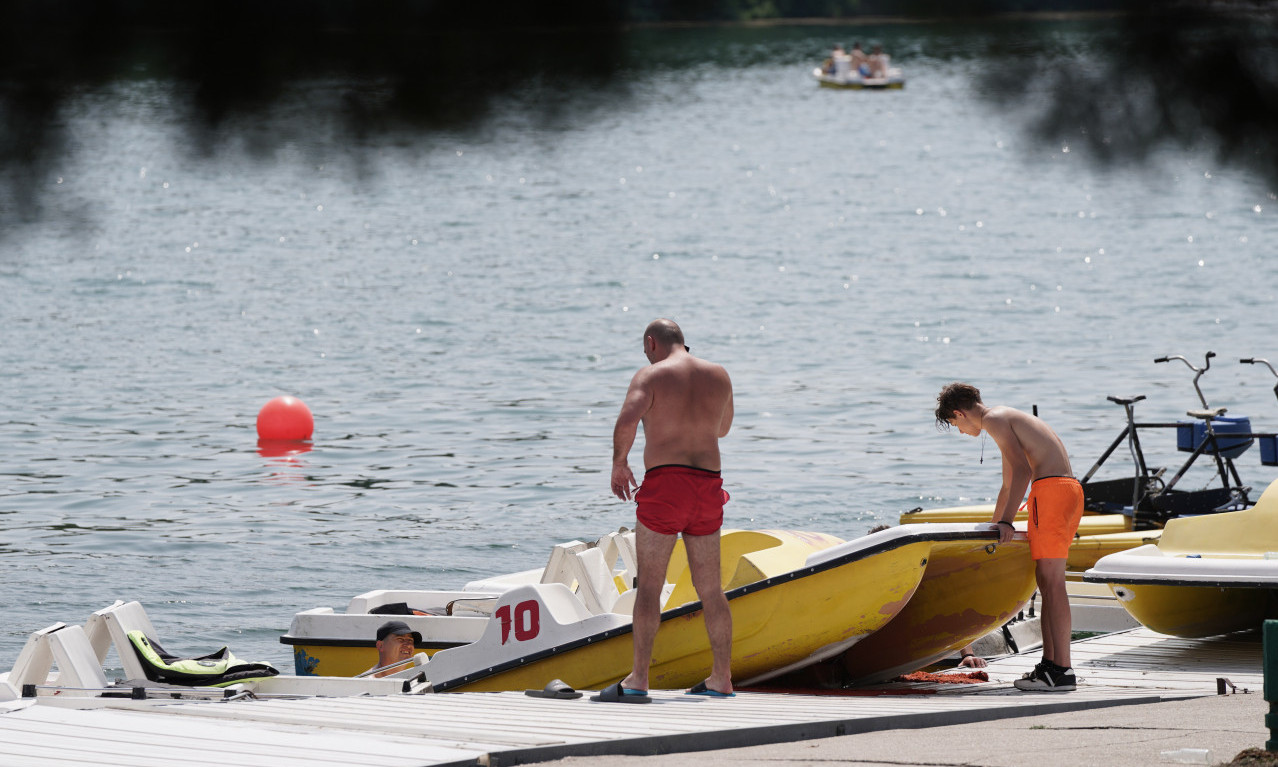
615, 693
555, 688
705, 692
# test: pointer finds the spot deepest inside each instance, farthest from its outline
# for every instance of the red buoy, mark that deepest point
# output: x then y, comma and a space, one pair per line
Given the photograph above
285, 418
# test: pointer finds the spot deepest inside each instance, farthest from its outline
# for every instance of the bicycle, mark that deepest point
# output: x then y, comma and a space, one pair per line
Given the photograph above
1149, 499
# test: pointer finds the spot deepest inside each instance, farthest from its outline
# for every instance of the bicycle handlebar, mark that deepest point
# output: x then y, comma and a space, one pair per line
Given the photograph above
1198, 371
1259, 361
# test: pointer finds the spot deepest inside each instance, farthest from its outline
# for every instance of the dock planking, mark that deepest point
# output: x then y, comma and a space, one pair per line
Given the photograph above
1136, 666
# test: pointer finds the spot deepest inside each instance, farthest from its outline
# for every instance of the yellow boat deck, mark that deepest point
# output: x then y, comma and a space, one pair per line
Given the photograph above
511, 728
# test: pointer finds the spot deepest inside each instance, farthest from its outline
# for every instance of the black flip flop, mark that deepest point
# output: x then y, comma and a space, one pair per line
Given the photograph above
615, 693
555, 688
700, 689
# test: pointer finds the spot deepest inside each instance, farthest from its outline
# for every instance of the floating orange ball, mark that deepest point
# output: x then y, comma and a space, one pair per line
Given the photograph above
285, 418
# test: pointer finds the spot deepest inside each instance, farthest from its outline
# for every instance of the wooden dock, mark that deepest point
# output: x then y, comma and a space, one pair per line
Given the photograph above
495, 729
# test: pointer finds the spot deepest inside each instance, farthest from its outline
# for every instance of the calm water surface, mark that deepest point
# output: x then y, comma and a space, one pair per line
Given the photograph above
462, 312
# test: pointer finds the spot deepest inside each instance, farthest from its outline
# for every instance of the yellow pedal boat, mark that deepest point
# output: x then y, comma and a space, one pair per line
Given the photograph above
1207, 575
796, 599
971, 586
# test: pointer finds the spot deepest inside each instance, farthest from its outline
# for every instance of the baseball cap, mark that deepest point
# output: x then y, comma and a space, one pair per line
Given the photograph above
395, 628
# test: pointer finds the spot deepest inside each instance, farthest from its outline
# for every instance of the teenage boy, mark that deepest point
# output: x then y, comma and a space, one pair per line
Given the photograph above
1033, 456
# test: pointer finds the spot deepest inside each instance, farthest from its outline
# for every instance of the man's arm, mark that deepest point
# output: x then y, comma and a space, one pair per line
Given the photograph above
638, 401
726, 423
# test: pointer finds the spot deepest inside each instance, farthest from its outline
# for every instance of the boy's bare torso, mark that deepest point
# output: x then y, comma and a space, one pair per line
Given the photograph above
1034, 439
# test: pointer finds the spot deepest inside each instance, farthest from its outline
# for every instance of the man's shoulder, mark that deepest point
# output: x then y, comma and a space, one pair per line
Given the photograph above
1005, 413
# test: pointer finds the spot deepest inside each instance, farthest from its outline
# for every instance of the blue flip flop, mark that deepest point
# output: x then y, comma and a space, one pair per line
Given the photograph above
700, 689
615, 693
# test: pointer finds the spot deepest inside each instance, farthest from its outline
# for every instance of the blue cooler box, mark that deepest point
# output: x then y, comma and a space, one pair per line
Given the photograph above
1269, 449
1189, 434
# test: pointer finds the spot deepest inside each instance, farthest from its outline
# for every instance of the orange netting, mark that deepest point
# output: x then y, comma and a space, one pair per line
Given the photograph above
969, 677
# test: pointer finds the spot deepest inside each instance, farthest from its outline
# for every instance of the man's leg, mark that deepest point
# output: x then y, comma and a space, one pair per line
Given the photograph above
652, 549
1056, 620
703, 561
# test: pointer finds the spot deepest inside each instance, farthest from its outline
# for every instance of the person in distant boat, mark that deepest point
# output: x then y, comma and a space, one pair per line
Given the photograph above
396, 643
838, 62
860, 62
878, 62
1033, 457
685, 406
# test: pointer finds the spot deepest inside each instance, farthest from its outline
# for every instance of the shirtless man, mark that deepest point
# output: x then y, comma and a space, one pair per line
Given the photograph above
878, 62
685, 406
1033, 456
860, 62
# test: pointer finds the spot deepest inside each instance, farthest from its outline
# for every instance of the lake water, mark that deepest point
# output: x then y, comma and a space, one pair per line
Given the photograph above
462, 312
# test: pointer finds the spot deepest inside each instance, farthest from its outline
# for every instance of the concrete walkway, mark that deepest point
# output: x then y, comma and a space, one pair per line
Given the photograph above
1119, 736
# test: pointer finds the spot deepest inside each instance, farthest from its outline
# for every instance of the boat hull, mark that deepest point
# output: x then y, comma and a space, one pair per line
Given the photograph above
854, 82
969, 589
1207, 575
782, 621
1197, 611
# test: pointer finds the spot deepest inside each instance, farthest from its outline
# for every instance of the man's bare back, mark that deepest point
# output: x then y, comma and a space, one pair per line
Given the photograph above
684, 404
690, 409
1030, 437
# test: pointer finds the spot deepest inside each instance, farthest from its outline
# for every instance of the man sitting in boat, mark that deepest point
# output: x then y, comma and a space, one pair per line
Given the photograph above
860, 62
396, 643
877, 63
839, 61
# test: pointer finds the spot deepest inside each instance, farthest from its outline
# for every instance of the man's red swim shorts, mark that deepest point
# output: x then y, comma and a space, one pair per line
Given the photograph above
681, 499
1055, 508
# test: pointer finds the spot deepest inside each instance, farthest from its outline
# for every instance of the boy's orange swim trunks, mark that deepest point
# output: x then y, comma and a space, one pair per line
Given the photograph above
681, 499
1055, 507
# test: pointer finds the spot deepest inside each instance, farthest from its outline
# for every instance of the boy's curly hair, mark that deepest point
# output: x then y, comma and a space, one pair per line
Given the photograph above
955, 396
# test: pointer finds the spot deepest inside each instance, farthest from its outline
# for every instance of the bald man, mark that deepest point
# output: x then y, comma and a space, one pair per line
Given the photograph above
685, 406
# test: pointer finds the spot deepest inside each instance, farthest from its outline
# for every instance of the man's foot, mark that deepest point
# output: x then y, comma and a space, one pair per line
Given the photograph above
1047, 677
1034, 673
701, 689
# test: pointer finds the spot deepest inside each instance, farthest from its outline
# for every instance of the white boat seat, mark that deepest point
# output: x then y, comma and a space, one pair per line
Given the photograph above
77, 664
123, 618
621, 545
34, 662
118, 620
560, 568
595, 585
564, 608
68, 648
